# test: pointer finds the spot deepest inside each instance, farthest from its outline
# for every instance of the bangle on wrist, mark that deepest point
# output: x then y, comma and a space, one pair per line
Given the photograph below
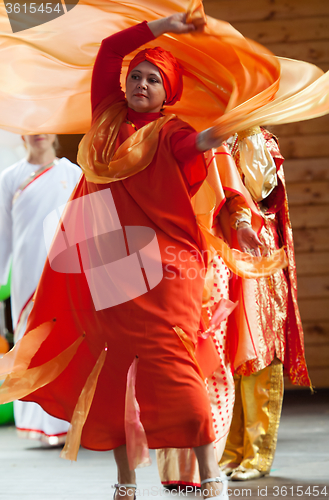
239, 223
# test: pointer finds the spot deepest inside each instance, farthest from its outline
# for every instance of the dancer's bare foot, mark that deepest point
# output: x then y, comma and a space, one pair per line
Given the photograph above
126, 486
211, 476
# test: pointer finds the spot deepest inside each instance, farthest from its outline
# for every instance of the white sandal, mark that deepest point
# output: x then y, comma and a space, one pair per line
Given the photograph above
219, 479
118, 486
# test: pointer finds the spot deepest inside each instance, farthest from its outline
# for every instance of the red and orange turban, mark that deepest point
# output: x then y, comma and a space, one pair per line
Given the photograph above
170, 69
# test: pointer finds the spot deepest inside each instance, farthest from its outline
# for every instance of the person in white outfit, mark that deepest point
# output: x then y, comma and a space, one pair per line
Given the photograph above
29, 190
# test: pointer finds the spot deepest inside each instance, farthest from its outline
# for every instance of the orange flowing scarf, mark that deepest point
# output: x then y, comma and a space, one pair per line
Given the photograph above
221, 68
229, 81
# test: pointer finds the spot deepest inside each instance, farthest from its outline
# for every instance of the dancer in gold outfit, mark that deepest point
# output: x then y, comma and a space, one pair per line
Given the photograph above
178, 468
252, 439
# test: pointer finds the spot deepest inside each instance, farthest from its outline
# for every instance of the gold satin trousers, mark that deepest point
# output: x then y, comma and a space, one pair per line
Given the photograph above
252, 439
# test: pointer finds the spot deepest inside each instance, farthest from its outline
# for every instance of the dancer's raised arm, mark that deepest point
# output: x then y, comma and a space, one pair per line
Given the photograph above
107, 68
177, 24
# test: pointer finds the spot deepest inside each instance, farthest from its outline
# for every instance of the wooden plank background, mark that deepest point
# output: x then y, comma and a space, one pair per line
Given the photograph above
300, 30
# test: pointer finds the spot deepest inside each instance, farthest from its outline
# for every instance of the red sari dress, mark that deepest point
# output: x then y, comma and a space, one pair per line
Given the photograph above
174, 406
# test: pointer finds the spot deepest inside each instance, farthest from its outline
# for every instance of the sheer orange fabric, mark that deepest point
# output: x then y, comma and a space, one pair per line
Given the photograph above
96, 154
137, 448
20, 383
207, 201
222, 71
221, 68
80, 414
19, 357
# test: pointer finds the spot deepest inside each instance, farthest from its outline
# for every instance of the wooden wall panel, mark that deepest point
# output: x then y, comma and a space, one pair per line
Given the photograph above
316, 52
316, 332
318, 357
307, 127
304, 146
234, 11
313, 287
69, 146
308, 193
319, 379
285, 30
299, 29
314, 310
315, 263
306, 169
309, 216
311, 240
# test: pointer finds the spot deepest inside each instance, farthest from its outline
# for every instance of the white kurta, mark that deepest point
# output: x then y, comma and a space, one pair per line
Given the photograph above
22, 242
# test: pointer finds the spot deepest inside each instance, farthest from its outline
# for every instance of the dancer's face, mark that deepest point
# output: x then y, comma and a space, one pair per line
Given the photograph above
40, 142
145, 92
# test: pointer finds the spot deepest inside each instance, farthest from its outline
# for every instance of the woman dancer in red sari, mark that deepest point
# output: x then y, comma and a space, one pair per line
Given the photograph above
154, 80
159, 326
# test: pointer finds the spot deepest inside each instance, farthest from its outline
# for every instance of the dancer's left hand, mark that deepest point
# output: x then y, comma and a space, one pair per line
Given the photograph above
248, 240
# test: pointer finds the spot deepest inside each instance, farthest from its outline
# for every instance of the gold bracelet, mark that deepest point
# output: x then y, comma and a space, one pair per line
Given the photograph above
248, 132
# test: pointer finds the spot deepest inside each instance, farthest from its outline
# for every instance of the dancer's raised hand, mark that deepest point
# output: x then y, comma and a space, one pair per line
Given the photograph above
176, 23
